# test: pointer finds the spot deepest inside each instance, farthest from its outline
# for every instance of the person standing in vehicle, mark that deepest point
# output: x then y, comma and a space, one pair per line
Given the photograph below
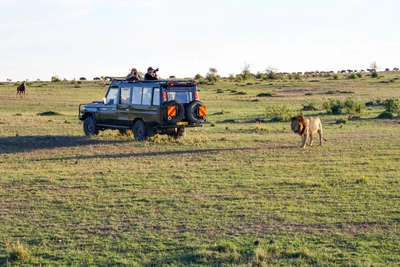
134, 75
151, 74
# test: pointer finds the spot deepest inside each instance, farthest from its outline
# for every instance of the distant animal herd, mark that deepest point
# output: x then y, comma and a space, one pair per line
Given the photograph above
102, 78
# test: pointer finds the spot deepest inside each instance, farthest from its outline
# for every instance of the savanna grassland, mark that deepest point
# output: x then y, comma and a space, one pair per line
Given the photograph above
238, 191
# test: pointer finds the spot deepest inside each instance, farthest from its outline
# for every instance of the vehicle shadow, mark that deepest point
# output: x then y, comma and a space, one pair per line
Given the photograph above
18, 144
150, 154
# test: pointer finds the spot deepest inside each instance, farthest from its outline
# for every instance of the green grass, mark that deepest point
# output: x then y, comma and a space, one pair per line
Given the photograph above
240, 193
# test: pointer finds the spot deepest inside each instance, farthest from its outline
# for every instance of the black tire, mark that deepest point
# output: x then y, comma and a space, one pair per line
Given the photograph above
192, 111
180, 111
90, 127
139, 131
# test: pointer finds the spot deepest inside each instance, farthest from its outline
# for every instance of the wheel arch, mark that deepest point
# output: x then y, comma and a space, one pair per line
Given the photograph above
89, 114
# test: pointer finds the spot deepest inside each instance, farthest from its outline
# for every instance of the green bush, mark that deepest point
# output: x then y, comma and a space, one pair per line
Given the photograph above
352, 107
268, 94
374, 74
212, 76
342, 121
349, 106
281, 113
310, 107
392, 105
385, 115
333, 107
352, 76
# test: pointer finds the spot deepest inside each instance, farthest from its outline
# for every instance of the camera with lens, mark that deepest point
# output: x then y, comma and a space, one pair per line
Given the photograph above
156, 70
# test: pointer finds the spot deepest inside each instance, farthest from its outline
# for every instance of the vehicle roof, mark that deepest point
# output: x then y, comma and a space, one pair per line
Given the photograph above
115, 81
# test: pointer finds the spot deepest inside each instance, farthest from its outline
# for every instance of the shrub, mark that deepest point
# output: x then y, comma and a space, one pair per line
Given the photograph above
333, 107
49, 113
17, 252
352, 107
266, 94
385, 115
352, 76
342, 121
198, 77
239, 78
310, 107
374, 74
392, 105
349, 106
212, 76
282, 113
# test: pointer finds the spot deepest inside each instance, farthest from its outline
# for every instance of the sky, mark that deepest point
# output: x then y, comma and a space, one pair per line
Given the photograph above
93, 38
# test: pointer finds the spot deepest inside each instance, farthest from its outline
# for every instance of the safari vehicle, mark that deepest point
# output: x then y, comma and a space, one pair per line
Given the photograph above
145, 107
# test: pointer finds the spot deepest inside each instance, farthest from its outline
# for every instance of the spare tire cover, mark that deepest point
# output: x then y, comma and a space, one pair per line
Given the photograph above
180, 111
192, 112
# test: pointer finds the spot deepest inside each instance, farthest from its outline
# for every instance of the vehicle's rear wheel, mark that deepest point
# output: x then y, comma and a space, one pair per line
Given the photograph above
139, 130
90, 127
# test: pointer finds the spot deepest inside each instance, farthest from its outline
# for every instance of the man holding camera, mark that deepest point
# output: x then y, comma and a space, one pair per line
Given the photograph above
151, 74
134, 75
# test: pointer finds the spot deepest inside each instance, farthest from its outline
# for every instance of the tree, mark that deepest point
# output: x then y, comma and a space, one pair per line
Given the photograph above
373, 66
246, 72
212, 75
198, 77
272, 73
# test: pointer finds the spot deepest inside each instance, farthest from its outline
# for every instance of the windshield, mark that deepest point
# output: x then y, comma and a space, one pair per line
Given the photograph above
182, 94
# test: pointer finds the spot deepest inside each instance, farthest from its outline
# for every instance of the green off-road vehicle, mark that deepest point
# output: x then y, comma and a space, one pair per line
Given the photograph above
145, 107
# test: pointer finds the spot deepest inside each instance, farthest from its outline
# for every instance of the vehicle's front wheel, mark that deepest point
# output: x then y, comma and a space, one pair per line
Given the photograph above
90, 127
139, 130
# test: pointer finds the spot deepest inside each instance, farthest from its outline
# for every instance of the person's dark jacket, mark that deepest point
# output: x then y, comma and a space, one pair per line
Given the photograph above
148, 76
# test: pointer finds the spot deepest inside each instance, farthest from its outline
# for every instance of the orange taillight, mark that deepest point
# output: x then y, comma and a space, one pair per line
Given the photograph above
196, 95
164, 96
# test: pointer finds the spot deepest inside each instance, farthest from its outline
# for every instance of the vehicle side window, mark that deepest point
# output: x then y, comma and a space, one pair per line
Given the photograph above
125, 93
156, 96
136, 95
146, 96
111, 98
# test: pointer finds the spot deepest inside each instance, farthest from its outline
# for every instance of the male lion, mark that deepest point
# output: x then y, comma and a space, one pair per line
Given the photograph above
307, 127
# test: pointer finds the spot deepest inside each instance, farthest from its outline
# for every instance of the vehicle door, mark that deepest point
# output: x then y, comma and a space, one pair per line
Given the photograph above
108, 113
124, 107
146, 102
